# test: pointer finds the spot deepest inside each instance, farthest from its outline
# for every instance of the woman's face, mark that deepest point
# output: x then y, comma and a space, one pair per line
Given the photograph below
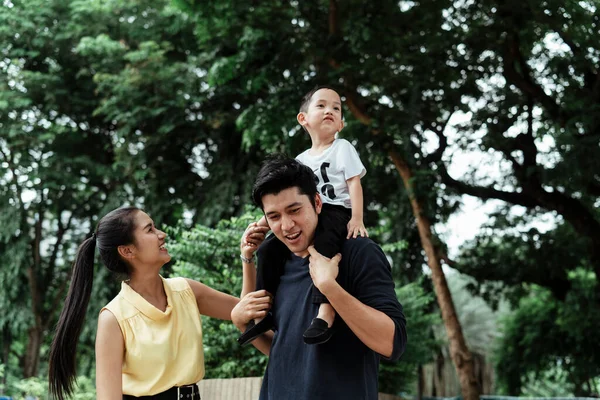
149, 242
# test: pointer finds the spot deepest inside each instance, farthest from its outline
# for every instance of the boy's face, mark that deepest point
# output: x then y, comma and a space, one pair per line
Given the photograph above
292, 218
324, 114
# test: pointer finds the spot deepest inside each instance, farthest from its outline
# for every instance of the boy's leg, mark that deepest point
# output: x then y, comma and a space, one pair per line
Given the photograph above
329, 238
272, 255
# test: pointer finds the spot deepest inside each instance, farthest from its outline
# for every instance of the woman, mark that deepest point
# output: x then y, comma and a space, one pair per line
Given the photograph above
149, 338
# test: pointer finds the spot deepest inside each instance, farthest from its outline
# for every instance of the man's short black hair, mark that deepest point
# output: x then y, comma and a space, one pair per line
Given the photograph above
279, 172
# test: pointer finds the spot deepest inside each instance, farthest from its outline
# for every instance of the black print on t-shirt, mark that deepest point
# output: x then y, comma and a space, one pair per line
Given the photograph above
327, 188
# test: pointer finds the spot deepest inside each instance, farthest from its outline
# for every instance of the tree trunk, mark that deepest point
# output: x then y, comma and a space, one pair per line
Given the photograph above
459, 352
6, 345
31, 359
420, 382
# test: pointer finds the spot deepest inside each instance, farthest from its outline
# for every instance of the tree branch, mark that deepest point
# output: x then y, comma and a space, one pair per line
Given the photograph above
439, 152
486, 192
526, 143
13, 170
62, 229
333, 18
60, 295
523, 80
34, 268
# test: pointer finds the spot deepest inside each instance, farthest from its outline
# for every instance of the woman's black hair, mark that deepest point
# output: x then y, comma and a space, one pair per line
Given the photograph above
114, 230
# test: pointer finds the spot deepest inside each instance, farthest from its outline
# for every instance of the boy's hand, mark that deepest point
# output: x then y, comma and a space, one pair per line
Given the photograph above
356, 228
252, 238
263, 222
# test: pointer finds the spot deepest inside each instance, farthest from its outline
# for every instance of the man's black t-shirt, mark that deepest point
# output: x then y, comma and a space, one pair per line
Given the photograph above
342, 368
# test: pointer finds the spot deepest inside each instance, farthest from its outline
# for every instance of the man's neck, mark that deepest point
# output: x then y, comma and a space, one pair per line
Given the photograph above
302, 254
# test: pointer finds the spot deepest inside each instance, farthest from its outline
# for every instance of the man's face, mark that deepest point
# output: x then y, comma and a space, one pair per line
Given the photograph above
292, 218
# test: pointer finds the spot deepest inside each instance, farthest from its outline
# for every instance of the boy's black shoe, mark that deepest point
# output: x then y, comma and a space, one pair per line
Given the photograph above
255, 330
317, 332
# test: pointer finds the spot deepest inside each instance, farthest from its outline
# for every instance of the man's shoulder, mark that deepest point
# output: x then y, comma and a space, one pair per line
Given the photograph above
363, 254
359, 245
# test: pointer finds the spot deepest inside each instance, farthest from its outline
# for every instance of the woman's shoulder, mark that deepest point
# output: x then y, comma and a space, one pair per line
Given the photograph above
177, 284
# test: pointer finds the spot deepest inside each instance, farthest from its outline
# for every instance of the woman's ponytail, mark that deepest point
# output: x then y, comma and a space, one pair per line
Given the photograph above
62, 353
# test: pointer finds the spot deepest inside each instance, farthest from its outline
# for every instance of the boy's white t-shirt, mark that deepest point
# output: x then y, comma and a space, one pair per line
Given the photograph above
333, 168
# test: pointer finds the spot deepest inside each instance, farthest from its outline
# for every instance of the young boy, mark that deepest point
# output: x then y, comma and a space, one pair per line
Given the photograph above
338, 171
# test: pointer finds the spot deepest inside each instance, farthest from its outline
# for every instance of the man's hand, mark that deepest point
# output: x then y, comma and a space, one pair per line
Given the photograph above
252, 238
356, 227
251, 306
323, 270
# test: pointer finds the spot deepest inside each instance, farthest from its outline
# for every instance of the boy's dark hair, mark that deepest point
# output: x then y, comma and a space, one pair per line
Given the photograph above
279, 172
308, 97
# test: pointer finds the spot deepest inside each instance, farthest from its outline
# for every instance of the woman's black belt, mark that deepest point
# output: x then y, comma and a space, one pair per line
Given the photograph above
189, 392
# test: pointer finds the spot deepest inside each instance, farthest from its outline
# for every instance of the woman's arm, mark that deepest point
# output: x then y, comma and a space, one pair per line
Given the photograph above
251, 306
211, 302
215, 304
110, 348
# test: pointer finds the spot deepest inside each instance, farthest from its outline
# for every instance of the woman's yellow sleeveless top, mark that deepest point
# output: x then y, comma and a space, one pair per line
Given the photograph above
162, 349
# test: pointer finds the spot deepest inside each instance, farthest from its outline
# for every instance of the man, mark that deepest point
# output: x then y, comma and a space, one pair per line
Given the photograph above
369, 324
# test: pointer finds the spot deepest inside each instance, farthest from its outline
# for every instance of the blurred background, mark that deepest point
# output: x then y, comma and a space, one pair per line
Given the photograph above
478, 123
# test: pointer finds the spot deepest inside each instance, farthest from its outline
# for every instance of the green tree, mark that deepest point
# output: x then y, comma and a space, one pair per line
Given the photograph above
547, 336
55, 172
100, 105
522, 74
275, 52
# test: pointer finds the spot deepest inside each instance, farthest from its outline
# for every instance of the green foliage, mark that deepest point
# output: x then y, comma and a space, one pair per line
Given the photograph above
101, 105
104, 103
21, 389
211, 256
519, 253
515, 73
545, 337
547, 279
401, 376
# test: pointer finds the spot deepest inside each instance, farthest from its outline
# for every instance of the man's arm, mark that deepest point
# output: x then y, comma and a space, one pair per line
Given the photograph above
377, 329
